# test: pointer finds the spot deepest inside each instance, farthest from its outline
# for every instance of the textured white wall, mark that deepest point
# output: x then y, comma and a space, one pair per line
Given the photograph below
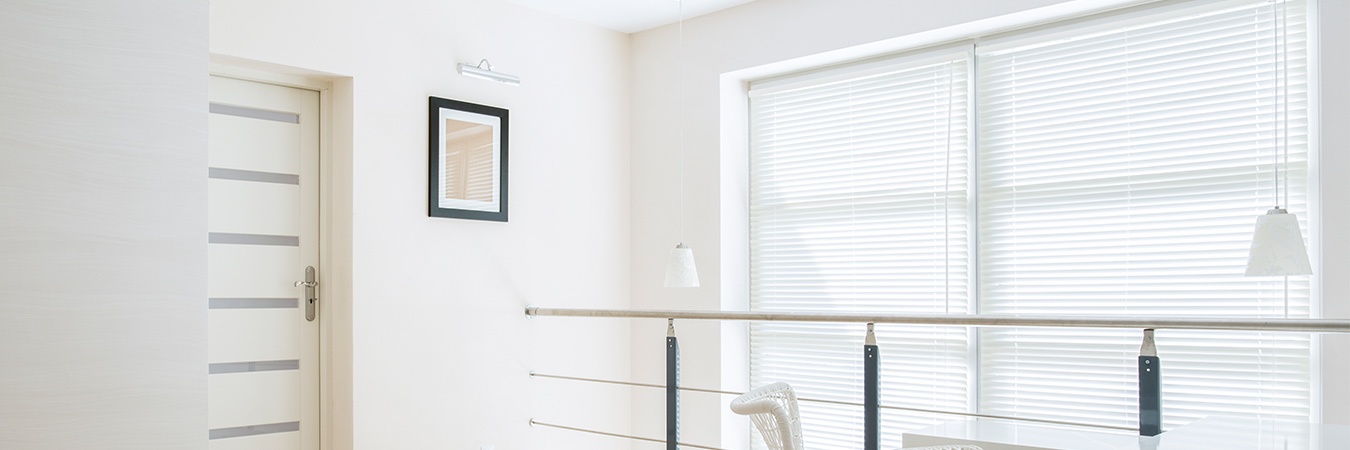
759, 37
440, 345
102, 234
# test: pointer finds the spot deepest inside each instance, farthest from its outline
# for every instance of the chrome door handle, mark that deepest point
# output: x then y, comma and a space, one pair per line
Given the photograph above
311, 300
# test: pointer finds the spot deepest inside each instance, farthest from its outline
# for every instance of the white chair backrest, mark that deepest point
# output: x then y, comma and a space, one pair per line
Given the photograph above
773, 410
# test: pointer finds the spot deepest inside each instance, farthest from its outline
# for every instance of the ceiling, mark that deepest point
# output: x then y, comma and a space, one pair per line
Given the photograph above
628, 16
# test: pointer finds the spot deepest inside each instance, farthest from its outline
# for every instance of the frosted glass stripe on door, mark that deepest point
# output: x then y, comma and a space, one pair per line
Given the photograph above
289, 440
252, 175
253, 303
252, 113
254, 430
252, 366
254, 239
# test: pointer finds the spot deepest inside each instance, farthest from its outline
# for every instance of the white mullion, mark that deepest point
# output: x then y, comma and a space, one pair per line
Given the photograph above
973, 223
1314, 112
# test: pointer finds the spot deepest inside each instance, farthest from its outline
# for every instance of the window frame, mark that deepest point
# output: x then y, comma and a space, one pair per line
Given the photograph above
1135, 13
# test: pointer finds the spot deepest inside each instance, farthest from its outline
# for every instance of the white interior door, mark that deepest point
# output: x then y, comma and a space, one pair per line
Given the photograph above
263, 232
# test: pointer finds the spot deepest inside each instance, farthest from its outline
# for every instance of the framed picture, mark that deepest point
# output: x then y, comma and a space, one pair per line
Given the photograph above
467, 161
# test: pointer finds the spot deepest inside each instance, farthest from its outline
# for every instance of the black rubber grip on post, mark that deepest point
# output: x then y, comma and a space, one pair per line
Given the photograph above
1150, 396
871, 392
672, 393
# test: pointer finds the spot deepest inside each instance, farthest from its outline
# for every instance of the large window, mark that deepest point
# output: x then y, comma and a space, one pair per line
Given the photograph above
1110, 166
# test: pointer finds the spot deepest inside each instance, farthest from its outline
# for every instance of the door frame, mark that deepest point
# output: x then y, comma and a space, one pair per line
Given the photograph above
334, 290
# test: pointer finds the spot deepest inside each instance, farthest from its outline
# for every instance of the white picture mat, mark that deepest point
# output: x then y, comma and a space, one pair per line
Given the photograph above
472, 205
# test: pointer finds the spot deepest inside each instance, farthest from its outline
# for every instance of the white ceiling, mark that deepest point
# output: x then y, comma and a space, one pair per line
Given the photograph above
628, 16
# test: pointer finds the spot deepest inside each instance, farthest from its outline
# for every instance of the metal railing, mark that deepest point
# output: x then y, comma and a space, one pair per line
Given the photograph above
977, 320
1149, 365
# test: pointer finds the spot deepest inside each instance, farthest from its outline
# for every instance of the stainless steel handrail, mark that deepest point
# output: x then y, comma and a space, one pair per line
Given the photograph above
979, 320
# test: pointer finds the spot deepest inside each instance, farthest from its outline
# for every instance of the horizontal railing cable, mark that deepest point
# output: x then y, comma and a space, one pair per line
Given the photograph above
630, 383
836, 402
979, 320
625, 436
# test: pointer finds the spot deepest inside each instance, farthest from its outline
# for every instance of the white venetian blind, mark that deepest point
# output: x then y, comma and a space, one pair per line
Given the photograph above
858, 203
1121, 170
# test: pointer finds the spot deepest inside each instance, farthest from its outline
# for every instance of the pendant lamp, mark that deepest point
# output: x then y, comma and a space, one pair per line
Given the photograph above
1277, 244
680, 271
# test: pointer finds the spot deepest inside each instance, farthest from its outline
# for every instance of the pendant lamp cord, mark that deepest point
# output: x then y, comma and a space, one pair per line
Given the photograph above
1284, 55
1282, 102
1275, 42
680, 56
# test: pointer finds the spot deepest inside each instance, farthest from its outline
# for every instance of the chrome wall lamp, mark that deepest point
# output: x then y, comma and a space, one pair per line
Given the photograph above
487, 73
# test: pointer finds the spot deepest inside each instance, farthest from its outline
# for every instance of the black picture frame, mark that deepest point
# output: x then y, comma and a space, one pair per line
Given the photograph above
455, 145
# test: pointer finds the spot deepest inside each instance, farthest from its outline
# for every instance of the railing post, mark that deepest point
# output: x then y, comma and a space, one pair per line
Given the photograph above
672, 387
1150, 387
871, 383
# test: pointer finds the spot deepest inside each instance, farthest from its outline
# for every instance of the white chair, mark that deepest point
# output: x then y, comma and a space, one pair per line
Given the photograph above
773, 410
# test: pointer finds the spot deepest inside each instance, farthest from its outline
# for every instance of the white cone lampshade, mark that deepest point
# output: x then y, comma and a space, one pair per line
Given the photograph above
1277, 247
680, 271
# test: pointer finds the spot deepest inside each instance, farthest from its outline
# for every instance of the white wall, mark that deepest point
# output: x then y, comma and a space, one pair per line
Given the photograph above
726, 47
102, 234
440, 347
1334, 103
